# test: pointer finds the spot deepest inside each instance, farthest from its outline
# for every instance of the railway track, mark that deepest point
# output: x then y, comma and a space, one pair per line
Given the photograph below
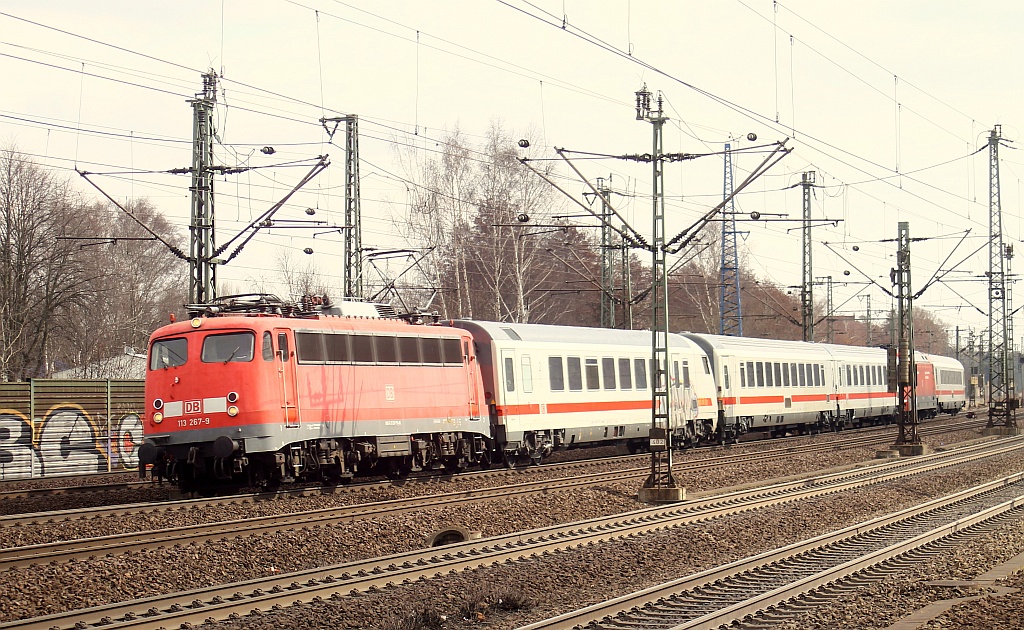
219, 602
682, 466
871, 550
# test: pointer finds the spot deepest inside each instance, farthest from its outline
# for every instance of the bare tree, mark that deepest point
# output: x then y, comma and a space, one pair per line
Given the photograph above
301, 279
41, 275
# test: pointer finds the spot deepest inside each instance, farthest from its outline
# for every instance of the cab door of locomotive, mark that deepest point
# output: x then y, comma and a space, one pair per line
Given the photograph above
286, 375
472, 367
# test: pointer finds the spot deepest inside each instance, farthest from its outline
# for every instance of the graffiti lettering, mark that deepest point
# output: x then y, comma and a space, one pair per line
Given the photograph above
17, 457
69, 442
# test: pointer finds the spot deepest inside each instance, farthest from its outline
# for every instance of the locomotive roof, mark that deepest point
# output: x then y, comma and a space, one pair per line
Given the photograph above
548, 333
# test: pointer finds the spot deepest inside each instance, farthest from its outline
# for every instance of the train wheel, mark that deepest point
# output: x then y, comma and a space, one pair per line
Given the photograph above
397, 468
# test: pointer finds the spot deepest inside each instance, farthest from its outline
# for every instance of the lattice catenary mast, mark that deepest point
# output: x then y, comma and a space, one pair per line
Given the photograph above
729, 304
660, 479
807, 288
1001, 405
202, 285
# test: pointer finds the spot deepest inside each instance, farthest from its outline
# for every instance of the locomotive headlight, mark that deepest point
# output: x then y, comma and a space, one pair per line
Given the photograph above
158, 418
196, 322
232, 411
158, 403
232, 397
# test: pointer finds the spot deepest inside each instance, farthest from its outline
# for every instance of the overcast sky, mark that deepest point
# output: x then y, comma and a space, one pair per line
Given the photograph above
888, 102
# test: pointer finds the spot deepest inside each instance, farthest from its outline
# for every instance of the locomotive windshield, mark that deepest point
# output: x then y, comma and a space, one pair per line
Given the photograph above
229, 347
168, 353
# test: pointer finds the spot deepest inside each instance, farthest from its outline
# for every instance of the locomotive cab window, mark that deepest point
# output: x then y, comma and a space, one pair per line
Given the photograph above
229, 348
267, 350
282, 346
168, 353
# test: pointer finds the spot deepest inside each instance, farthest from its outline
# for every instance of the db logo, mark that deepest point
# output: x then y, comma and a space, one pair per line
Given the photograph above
193, 406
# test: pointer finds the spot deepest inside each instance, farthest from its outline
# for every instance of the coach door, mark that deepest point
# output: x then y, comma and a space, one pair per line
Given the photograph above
509, 398
286, 375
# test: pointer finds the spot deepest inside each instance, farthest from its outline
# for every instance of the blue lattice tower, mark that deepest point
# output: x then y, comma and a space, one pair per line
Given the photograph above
730, 321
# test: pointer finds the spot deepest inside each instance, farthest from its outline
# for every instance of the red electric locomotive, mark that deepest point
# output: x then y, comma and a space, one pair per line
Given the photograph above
257, 392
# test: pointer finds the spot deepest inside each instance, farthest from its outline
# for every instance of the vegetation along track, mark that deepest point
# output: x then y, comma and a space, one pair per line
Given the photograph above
222, 601
777, 447
730, 593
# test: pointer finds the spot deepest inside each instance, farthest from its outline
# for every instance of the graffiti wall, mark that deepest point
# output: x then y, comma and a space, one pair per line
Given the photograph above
50, 427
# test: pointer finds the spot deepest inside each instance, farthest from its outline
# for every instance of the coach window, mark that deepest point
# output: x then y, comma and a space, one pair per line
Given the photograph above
768, 380
593, 377
510, 376
785, 374
575, 369
849, 381
527, 373
793, 378
743, 376
817, 375
309, 347
725, 377
802, 372
640, 370
555, 374
608, 372
625, 375
760, 374
778, 375
750, 373
707, 365
686, 374
863, 381
229, 348
168, 353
